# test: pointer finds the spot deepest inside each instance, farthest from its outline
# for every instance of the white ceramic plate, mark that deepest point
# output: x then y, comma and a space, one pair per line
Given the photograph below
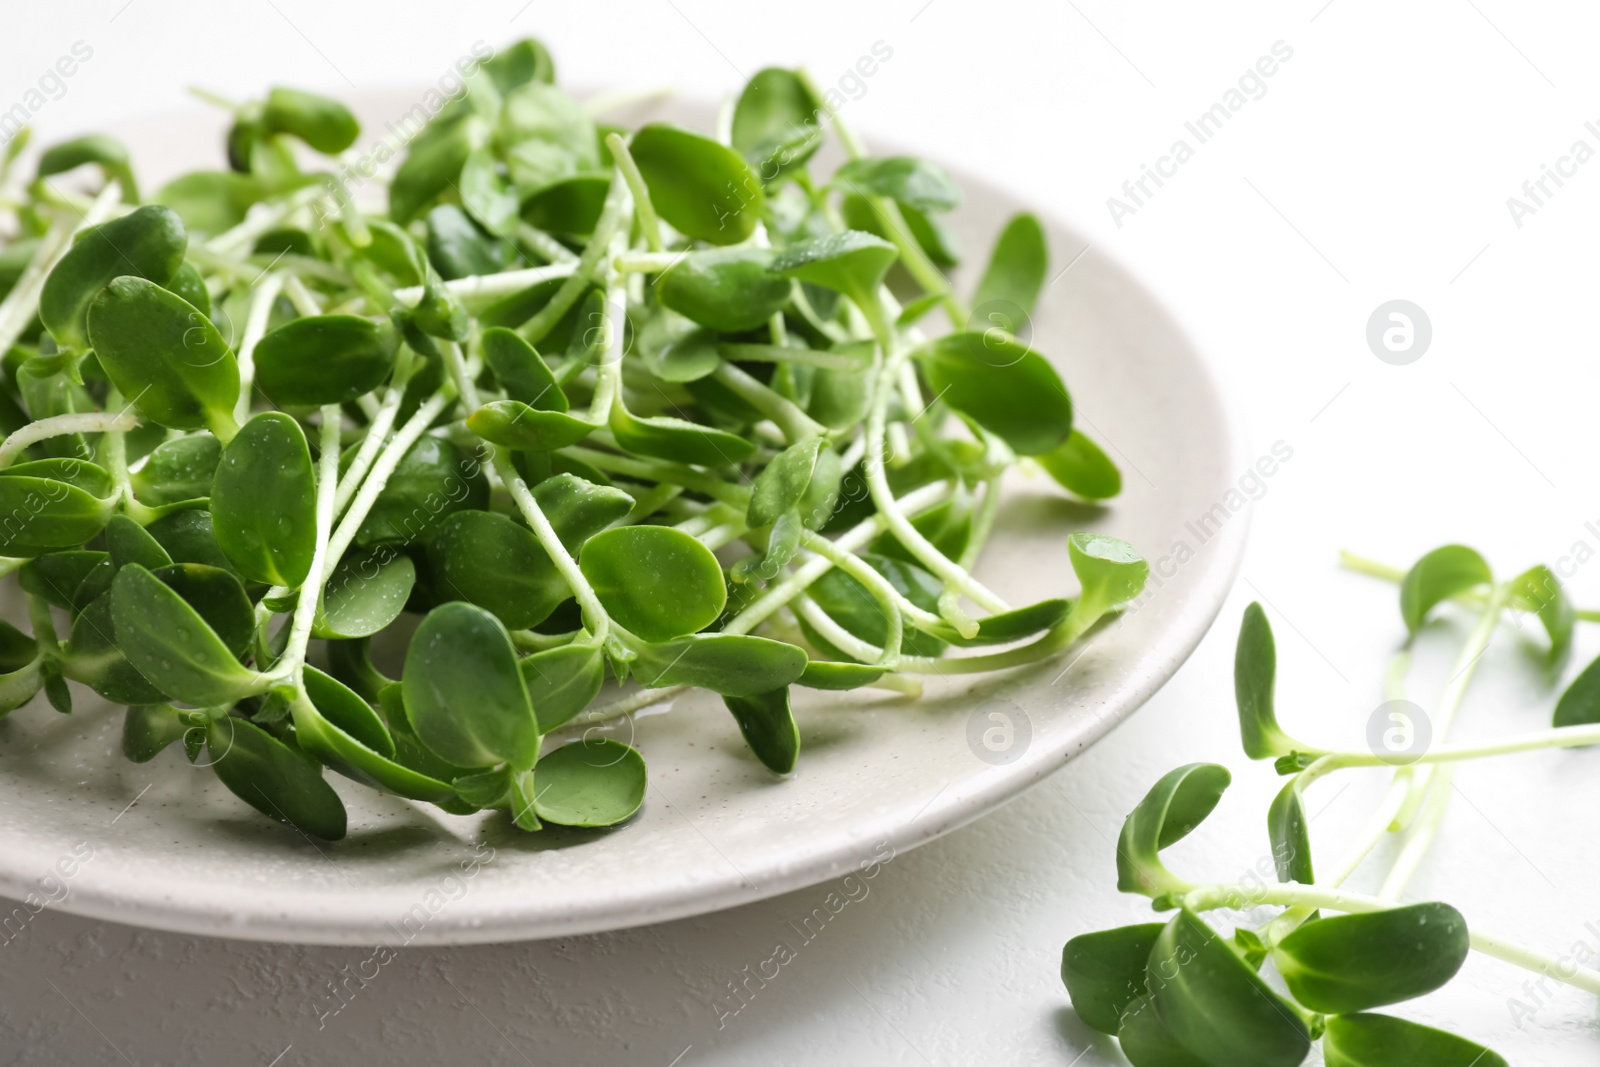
169, 847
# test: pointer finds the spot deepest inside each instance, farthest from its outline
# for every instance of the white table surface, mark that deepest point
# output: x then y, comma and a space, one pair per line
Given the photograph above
1376, 166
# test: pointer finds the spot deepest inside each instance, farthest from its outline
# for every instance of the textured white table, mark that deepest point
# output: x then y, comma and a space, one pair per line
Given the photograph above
1376, 166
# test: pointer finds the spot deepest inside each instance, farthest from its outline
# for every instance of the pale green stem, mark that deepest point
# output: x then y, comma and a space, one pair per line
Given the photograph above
1309, 898
662, 471
756, 353
608, 382
595, 616
300, 296
482, 286
617, 206
926, 553
643, 209
377, 430
649, 502
534, 641
858, 536
59, 425
22, 302
645, 262
795, 423
891, 604
1410, 783
262, 220
833, 633
305, 612
390, 458
858, 569
255, 327
1421, 836
544, 245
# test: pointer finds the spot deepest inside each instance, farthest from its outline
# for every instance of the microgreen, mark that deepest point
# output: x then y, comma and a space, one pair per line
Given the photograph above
1184, 994
582, 402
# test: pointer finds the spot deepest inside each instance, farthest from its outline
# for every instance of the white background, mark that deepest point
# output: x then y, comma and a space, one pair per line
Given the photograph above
1376, 166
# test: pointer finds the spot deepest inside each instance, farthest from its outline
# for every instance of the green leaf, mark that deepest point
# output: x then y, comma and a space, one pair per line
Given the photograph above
342, 730
172, 645
1350, 963
326, 125
1104, 972
1538, 590
1578, 706
729, 290
147, 729
1383, 1041
178, 470
107, 153
1216, 1006
273, 778
703, 189
456, 246
518, 64
1003, 385
823, 674
768, 726
1079, 466
164, 355
91, 656
841, 399
491, 561
521, 372
1175, 805
657, 582
562, 681
1439, 575
1288, 828
579, 509
44, 513
1147, 1042
597, 782
730, 664
433, 480
148, 244
545, 136
1109, 570
210, 201
463, 692
1255, 665
515, 425
685, 358
55, 577
324, 359
487, 195
264, 501
776, 123
665, 437
366, 592
571, 206
1011, 283
782, 483
188, 284
852, 263
432, 164
915, 182
1010, 626
189, 537
218, 596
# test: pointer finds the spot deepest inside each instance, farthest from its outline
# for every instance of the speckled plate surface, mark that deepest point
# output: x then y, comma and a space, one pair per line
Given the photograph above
165, 845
